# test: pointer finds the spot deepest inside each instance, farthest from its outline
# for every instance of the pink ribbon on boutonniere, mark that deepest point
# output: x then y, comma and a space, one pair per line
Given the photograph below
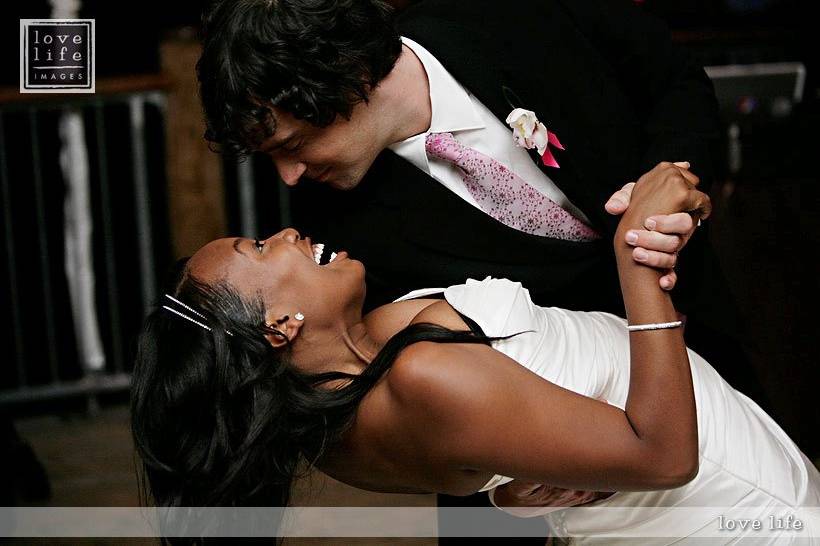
530, 133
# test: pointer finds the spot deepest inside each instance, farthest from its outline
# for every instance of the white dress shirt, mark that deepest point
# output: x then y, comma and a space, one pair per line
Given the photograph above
455, 110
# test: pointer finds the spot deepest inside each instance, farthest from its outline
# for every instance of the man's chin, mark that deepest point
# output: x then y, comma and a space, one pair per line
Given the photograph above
345, 181
343, 185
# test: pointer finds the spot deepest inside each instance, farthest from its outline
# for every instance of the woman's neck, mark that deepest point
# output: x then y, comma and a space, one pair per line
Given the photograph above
351, 347
360, 344
347, 348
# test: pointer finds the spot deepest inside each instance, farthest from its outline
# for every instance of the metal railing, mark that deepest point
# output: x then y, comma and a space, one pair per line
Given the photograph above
35, 333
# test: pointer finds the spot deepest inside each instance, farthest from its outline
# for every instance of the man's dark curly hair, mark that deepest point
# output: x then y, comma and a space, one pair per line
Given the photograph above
315, 59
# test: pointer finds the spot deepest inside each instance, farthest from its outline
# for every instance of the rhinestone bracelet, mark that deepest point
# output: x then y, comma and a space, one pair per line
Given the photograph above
654, 326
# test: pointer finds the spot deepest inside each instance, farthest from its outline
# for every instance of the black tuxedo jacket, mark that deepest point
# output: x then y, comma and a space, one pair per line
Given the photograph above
606, 79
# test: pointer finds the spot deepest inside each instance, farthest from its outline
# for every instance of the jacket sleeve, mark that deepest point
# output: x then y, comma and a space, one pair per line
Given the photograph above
671, 93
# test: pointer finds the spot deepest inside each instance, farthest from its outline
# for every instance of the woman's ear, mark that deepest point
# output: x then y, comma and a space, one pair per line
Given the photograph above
282, 329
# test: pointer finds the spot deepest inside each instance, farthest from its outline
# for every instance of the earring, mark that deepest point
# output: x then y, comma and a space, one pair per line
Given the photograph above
299, 316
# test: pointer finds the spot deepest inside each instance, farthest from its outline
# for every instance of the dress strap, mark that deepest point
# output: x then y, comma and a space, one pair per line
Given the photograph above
474, 327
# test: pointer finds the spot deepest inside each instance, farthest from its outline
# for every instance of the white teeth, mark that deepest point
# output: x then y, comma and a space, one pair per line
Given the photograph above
318, 250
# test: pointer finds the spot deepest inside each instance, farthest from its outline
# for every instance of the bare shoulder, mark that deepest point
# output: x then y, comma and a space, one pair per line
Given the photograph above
426, 365
411, 423
441, 384
431, 365
434, 392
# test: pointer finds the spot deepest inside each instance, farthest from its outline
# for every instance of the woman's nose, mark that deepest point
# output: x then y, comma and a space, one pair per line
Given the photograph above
288, 234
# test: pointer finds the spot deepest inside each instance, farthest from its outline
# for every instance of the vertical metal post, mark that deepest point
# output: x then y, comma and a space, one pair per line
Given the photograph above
11, 261
108, 239
42, 239
142, 202
247, 197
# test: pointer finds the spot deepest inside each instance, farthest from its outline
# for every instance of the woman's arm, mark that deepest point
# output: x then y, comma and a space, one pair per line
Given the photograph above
660, 406
470, 407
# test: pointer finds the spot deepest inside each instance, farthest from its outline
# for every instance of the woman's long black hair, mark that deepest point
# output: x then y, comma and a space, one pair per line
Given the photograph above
221, 418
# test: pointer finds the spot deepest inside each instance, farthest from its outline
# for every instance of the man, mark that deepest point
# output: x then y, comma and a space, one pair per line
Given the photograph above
333, 95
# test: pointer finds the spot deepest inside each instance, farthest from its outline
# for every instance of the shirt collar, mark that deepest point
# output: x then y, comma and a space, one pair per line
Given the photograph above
451, 105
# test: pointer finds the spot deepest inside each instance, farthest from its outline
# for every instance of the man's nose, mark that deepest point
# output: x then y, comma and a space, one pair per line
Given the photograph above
290, 171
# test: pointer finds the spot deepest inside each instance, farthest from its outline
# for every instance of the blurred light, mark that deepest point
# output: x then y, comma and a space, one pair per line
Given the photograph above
747, 105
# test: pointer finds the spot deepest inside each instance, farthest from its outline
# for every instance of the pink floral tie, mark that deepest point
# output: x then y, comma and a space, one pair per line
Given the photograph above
506, 197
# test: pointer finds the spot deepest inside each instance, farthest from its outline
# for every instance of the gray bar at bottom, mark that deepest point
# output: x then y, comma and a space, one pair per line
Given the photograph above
780, 521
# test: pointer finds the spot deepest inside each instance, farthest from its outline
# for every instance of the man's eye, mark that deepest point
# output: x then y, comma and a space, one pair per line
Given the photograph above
293, 147
258, 245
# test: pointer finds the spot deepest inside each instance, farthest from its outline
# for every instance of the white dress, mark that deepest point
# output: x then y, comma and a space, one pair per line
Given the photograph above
747, 462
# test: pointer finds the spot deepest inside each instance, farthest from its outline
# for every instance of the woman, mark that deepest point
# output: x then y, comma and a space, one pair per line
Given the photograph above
260, 359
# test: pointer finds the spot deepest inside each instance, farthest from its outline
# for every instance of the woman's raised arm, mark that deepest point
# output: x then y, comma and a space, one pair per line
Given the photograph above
471, 407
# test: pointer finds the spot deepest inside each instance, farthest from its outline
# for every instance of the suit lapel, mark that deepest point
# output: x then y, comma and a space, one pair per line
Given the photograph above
500, 79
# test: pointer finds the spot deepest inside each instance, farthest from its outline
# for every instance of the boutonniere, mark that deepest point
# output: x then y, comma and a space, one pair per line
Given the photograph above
530, 133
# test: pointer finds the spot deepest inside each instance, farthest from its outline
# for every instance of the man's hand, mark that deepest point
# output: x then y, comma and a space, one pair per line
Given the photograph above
665, 234
517, 494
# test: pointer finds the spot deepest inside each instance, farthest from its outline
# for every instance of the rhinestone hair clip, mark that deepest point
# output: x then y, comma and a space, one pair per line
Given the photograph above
186, 317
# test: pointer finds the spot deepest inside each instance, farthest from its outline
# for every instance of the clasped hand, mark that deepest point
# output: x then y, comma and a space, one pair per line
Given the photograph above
664, 207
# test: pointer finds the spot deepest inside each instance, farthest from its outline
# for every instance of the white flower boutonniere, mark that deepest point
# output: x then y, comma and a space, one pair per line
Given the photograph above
530, 133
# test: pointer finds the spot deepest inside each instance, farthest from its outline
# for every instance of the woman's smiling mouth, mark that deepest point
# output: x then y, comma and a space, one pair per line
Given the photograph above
318, 252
